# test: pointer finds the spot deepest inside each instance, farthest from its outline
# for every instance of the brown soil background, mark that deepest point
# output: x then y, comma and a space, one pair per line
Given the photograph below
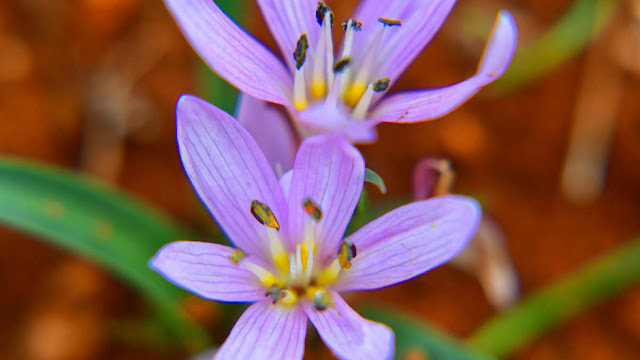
508, 150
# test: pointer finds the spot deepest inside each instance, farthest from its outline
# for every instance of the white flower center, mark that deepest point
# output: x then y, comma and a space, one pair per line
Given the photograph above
347, 81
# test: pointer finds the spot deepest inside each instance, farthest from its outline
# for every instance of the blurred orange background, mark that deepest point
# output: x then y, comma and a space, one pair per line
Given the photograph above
91, 85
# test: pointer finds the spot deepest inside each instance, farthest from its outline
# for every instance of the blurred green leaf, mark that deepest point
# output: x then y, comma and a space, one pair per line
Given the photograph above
100, 223
580, 25
554, 304
413, 336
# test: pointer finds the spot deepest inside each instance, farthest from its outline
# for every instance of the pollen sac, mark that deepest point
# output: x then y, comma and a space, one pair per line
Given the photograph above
321, 11
237, 256
264, 215
356, 25
346, 253
275, 293
381, 85
312, 209
390, 22
321, 300
300, 54
342, 65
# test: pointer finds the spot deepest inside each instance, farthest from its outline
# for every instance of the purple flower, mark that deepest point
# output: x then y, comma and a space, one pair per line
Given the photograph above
291, 259
339, 92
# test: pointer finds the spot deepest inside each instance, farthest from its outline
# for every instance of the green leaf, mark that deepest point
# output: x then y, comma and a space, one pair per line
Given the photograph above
581, 24
599, 281
90, 219
412, 336
372, 177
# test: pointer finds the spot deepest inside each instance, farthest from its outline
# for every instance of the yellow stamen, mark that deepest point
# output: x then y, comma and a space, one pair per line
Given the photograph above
318, 88
264, 215
237, 256
354, 93
346, 253
265, 276
320, 298
329, 275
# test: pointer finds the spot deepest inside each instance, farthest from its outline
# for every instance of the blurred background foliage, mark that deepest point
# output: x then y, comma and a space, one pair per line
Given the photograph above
91, 185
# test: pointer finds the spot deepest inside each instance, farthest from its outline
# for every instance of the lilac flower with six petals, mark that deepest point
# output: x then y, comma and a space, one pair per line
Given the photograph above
339, 92
291, 259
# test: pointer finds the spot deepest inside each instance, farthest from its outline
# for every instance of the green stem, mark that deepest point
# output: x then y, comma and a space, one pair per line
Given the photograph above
551, 306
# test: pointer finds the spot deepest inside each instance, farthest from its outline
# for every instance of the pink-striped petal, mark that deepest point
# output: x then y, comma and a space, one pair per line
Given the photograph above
228, 171
414, 106
231, 52
330, 172
266, 331
349, 335
288, 20
409, 241
206, 269
271, 129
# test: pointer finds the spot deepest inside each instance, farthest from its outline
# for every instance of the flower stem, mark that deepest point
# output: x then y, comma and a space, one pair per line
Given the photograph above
591, 285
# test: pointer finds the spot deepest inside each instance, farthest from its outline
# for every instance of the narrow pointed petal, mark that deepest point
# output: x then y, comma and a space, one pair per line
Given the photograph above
271, 129
330, 119
349, 335
429, 104
206, 269
266, 331
330, 172
409, 241
287, 20
228, 171
235, 55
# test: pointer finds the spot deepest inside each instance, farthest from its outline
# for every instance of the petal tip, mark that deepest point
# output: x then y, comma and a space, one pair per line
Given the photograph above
500, 48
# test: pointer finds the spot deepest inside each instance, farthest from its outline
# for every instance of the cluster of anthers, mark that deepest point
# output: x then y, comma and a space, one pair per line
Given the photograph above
347, 80
299, 274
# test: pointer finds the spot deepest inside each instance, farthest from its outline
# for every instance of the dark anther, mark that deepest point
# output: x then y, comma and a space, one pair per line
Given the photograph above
300, 54
390, 22
342, 65
312, 209
264, 215
381, 85
356, 25
321, 11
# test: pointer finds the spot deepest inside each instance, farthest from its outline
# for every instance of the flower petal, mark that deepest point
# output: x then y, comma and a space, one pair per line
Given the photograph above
328, 118
429, 104
408, 241
207, 270
287, 20
349, 335
231, 52
228, 171
266, 331
329, 171
271, 129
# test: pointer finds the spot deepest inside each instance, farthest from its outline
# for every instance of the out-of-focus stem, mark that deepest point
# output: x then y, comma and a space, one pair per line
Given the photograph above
600, 280
599, 97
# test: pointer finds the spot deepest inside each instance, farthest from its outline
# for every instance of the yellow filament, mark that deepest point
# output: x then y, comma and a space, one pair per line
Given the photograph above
289, 298
318, 89
281, 261
300, 104
265, 276
329, 275
354, 93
